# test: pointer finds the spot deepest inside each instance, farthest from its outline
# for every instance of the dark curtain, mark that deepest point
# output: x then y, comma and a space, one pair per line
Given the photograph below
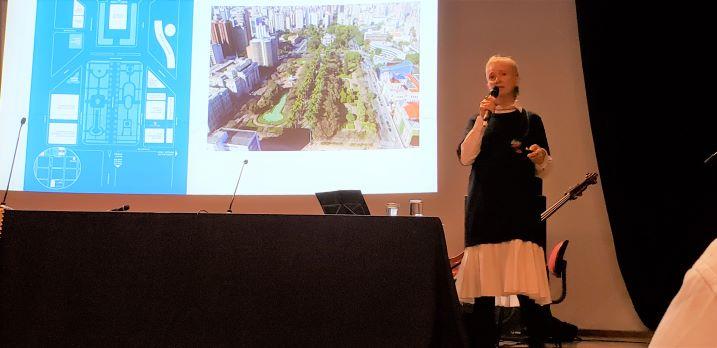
647, 75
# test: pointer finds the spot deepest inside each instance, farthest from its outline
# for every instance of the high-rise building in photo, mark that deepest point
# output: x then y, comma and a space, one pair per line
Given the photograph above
221, 32
216, 54
244, 19
264, 51
299, 19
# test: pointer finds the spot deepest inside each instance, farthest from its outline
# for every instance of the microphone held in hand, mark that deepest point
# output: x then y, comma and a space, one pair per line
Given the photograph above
493, 93
229, 210
12, 165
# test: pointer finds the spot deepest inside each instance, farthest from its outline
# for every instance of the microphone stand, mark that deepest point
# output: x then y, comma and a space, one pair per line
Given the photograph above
12, 166
229, 211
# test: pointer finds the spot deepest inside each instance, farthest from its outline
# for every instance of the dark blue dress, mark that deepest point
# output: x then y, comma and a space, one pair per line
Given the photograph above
505, 198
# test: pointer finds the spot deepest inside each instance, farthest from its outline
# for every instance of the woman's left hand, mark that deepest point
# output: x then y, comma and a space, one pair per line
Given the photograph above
537, 154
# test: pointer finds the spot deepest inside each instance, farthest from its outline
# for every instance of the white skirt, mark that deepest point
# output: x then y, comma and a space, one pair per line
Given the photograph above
515, 267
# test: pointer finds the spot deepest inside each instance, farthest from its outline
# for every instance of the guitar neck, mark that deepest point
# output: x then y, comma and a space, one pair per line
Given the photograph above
553, 208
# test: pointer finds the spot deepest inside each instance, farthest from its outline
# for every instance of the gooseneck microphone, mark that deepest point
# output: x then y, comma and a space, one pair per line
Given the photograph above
12, 165
229, 211
122, 208
493, 93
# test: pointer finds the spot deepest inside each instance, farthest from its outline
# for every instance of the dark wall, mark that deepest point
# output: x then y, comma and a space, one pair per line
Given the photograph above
646, 72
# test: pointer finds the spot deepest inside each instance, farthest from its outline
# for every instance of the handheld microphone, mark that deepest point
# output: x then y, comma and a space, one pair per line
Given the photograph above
493, 93
229, 211
12, 165
122, 208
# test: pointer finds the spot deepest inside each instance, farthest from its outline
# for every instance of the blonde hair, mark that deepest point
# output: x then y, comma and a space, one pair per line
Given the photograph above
506, 59
501, 58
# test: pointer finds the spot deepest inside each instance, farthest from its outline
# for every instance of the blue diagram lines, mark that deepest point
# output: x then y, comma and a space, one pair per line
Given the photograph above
113, 97
110, 91
57, 168
167, 27
159, 33
117, 24
128, 101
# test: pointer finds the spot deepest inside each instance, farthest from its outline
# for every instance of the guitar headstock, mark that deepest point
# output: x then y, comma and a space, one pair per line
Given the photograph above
577, 190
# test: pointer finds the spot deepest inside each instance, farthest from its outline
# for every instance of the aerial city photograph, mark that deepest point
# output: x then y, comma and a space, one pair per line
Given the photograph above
314, 78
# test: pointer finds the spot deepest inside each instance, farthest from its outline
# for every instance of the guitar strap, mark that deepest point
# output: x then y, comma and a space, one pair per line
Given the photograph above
526, 115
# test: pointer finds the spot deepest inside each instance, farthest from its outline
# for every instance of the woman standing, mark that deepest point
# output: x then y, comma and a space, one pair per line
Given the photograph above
507, 149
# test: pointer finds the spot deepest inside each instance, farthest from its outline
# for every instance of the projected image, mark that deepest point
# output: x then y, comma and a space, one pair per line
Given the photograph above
307, 78
108, 89
317, 95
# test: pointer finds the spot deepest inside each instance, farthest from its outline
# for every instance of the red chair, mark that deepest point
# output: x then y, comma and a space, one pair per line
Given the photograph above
558, 266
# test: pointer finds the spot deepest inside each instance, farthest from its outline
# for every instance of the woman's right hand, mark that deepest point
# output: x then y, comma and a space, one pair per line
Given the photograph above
487, 104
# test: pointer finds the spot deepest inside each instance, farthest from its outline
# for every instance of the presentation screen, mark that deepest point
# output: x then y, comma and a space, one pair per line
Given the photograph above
173, 96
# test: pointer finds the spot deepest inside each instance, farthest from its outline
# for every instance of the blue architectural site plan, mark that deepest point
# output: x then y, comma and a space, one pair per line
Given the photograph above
109, 100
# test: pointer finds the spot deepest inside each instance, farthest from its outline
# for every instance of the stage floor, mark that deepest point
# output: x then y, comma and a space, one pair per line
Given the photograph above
591, 342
